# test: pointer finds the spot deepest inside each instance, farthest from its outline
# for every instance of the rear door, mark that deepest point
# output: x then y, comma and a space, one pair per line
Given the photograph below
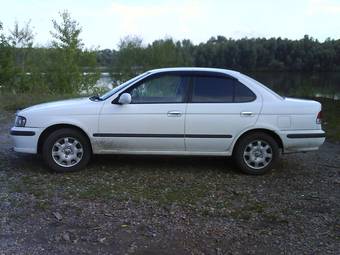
218, 109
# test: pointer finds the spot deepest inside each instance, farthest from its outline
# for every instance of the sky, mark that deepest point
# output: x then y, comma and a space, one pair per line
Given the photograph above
105, 22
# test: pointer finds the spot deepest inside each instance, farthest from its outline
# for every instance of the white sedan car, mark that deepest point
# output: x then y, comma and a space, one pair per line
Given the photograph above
173, 111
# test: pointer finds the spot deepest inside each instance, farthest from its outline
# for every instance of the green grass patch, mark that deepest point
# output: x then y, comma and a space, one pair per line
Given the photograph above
136, 188
161, 186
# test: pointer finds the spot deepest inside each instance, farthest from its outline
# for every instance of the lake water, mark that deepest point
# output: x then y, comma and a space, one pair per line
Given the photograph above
284, 83
301, 84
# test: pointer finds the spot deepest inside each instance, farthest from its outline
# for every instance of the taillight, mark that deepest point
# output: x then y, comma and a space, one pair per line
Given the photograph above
319, 118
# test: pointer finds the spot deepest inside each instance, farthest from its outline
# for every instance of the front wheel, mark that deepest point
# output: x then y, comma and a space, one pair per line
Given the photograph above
66, 150
256, 153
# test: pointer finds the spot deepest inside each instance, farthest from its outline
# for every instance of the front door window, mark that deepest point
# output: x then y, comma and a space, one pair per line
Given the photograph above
163, 89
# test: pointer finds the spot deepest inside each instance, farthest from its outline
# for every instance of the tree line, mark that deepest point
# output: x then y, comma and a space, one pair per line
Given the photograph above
250, 54
66, 66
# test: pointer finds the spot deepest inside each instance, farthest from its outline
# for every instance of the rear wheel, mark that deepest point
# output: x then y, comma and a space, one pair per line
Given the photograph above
256, 153
66, 150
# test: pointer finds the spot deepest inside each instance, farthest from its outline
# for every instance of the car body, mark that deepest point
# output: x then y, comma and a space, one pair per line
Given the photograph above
176, 111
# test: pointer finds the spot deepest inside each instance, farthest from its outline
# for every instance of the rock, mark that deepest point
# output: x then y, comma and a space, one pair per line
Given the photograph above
218, 251
102, 240
337, 181
57, 215
66, 237
132, 248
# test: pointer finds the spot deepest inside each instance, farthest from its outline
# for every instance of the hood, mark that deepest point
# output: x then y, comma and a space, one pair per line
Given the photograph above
54, 105
42, 114
78, 106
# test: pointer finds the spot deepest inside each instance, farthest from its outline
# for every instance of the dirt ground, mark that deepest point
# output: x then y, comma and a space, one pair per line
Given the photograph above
169, 205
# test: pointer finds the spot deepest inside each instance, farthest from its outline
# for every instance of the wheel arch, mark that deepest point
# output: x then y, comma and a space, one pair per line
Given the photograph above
270, 132
55, 127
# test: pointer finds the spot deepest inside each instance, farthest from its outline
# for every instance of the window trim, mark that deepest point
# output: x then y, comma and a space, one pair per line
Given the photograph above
190, 77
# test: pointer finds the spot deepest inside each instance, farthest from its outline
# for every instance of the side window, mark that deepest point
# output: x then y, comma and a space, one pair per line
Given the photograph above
212, 90
161, 89
243, 94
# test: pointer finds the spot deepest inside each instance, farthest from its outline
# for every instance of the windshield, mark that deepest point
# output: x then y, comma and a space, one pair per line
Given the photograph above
121, 86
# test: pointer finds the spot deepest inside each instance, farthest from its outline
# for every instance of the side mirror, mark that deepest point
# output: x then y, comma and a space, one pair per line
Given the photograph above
124, 98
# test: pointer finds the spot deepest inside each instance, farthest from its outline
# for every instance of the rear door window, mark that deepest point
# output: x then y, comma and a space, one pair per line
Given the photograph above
210, 89
243, 94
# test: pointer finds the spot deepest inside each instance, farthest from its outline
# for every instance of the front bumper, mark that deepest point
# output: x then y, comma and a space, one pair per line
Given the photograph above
25, 139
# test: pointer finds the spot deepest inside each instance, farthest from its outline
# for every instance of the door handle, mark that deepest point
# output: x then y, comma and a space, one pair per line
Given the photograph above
174, 114
246, 114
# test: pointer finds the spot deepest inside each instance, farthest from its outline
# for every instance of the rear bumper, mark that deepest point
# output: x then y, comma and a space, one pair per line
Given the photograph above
25, 139
302, 140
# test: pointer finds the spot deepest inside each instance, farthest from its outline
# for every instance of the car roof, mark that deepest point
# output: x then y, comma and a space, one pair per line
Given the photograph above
197, 69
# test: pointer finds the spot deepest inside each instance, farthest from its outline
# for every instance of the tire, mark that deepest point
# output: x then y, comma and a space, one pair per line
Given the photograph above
66, 150
256, 153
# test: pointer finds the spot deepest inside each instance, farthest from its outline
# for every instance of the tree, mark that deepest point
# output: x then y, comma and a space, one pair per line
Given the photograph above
131, 58
27, 77
21, 37
65, 73
4, 60
186, 49
164, 53
7, 65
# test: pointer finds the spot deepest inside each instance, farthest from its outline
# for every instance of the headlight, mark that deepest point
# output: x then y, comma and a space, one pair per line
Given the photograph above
20, 121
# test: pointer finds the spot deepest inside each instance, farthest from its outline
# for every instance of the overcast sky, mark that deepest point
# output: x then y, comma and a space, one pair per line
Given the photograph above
104, 22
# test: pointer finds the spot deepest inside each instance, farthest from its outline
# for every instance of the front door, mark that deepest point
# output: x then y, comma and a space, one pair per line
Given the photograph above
153, 121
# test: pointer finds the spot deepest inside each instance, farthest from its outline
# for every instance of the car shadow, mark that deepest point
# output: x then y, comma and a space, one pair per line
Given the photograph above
166, 163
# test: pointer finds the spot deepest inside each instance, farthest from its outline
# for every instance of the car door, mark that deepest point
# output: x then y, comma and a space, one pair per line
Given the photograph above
219, 109
152, 122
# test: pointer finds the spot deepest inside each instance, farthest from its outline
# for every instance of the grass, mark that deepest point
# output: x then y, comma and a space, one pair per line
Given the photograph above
122, 185
202, 187
165, 181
